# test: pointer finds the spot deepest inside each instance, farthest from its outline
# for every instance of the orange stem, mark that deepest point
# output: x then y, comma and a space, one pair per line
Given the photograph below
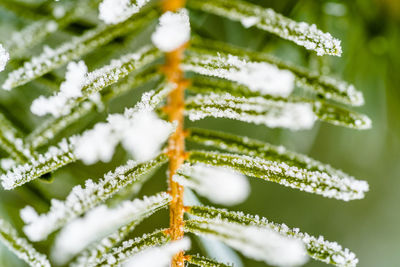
176, 143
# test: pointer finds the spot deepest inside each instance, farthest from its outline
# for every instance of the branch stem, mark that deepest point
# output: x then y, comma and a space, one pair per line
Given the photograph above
176, 143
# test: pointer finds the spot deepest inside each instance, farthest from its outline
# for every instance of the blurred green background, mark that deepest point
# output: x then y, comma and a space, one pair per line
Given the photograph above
370, 34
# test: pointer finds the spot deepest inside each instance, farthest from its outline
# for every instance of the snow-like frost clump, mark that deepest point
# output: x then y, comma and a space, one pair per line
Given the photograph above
115, 11
141, 133
71, 88
218, 184
172, 31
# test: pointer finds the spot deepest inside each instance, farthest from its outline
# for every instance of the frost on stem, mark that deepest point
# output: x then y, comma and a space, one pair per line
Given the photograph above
115, 11
132, 247
267, 19
12, 142
55, 157
262, 77
158, 256
80, 200
258, 110
256, 148
52, 58
317, 182
172, 31
220, 185
20, 246
71, 88
256, 242
100, 222
4, 57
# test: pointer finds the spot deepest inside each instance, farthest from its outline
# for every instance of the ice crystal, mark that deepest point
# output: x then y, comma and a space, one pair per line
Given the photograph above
172, 31
220, 185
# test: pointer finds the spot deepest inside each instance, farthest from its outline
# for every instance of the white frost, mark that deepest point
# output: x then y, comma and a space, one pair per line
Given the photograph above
220, 185
172, 31
98, 223
257, 76
56, 105
115, 11
259, 243
4, 57
158, 256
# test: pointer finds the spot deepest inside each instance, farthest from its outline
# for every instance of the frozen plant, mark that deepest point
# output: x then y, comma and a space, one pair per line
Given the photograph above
189, 76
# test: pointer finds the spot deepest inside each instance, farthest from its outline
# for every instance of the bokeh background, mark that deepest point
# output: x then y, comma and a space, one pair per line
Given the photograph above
370, 34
